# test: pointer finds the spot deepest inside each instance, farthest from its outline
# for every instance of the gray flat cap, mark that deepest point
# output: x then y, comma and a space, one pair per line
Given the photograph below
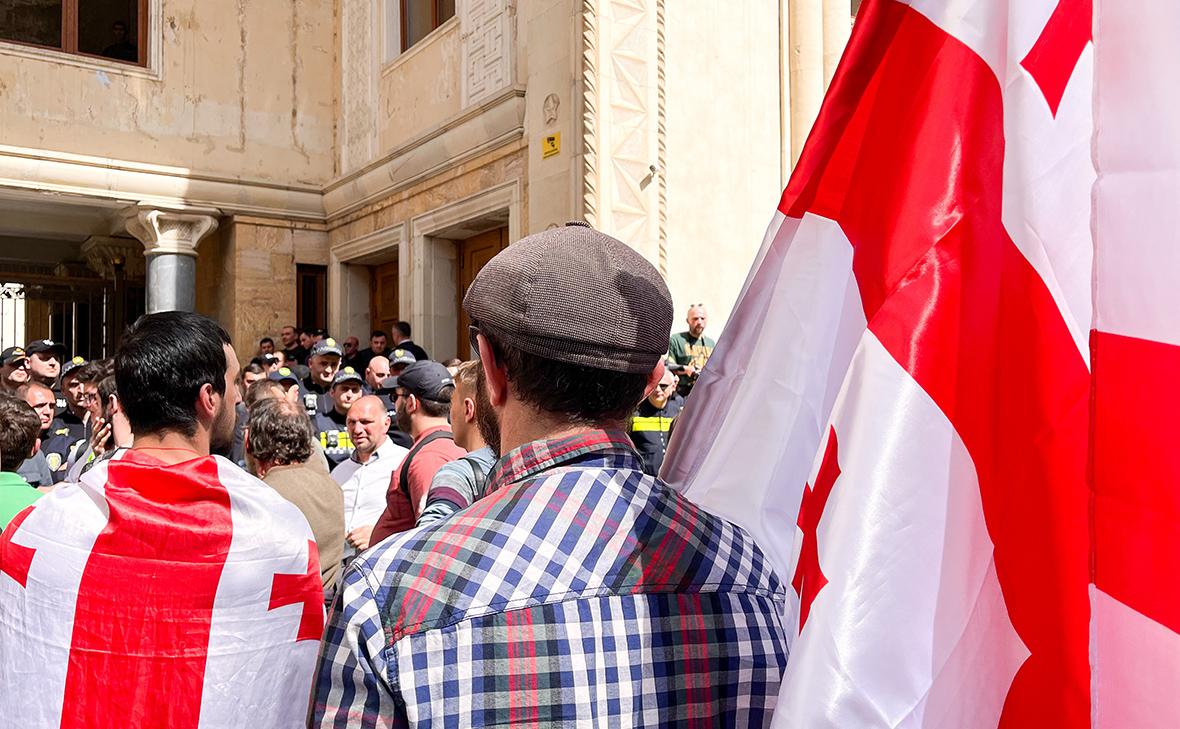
575, 295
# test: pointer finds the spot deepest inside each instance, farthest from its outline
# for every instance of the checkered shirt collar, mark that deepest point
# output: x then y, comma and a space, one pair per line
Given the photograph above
542, 455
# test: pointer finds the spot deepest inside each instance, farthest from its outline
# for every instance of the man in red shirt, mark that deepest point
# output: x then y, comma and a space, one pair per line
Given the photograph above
422, 394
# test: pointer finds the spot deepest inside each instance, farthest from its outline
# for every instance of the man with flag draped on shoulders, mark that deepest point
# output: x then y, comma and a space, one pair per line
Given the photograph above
963, 328
167, 588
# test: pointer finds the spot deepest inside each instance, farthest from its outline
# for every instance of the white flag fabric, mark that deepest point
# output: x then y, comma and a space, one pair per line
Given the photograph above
956, 347
153, 595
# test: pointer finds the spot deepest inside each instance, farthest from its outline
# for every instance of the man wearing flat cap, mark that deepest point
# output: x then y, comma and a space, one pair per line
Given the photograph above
579, 591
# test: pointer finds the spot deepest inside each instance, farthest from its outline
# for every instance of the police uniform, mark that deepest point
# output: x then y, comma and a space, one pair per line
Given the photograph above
67, 418
330, 426
56, 444
649, 431
48, 345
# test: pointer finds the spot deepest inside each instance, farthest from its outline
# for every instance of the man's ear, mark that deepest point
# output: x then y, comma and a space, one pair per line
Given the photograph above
654, 377
495, 375
206, 402
36, 447
468, 410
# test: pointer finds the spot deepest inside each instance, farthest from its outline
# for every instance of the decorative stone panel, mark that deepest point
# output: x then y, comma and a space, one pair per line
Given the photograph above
487, 29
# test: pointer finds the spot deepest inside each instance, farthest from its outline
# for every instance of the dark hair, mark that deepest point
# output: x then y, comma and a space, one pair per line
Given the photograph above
107, 388
297, 330
255, 367
19, 428
92, 371
266, 340
485, 415
163, 362
404, 328
279, 432
262, 390
378, 333
582, 395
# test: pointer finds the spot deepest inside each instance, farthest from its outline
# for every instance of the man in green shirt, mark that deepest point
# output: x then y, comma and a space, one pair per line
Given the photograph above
19, 427
690, 350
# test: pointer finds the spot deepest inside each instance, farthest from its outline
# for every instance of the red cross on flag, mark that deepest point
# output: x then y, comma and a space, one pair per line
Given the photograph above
162, 596
963, 332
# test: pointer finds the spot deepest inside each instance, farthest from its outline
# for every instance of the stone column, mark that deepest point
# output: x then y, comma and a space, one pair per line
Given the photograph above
837, 28
170, 239
805, 24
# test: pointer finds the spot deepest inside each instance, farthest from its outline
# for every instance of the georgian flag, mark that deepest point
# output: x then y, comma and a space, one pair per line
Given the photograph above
177, 596
963, 330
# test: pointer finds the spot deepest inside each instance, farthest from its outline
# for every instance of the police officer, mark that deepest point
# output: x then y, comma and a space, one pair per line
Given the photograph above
74, 390
45, 358
399, 360
323, 362
330, 419
14, 369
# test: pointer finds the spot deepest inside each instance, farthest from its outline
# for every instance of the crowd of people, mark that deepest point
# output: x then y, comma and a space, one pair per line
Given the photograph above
499, 517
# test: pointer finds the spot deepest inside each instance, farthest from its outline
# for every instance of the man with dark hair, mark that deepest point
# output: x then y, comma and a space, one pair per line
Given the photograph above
608, 596
329, 423
423, 397
349, 349
278, 446
162, 560
74, 375
293, 349
461, 482
401, 340
266, 345
378, 347
18, 436
121, 49
251, 373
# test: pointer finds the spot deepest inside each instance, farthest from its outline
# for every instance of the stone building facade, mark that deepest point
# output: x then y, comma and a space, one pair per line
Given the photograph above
351, 163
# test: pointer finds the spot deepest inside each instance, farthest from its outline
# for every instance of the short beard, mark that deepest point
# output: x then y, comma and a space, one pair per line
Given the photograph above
485, 416
403, 418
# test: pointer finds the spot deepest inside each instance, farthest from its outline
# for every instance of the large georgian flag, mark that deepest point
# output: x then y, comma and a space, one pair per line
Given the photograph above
153, 596
946, 403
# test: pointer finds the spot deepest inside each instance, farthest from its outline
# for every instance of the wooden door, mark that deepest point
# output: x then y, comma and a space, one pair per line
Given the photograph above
383, 304
473, 254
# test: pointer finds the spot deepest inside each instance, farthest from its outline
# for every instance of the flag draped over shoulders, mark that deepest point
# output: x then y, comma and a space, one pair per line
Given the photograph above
153, 595
958, 329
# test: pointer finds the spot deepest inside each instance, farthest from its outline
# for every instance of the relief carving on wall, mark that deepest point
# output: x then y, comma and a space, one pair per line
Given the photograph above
622, 77
486, 28
358, 128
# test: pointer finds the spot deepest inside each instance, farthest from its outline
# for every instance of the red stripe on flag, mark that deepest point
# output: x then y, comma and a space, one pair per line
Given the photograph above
1136, 474
908, 159
16, 559
145, 602
1054, 56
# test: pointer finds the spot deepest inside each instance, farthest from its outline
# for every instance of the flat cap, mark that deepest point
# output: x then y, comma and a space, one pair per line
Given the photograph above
575, 295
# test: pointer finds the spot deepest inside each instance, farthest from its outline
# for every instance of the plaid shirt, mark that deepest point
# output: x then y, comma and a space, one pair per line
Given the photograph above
578, 592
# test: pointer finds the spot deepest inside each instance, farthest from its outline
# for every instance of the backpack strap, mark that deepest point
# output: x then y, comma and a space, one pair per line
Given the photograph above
481, 476
404, 473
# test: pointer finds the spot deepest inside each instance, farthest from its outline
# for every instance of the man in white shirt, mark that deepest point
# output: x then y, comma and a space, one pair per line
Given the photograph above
364, 477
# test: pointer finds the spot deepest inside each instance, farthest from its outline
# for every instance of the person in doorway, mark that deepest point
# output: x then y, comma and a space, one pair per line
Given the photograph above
690, 349
349, 349
651, 425
461, 482
18, 438
401, 340
266, 345
364, 477
378, 348
423, 397
293, 350
617, 591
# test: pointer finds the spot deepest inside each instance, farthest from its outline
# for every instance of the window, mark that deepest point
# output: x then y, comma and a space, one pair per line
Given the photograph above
419, 17
114, 29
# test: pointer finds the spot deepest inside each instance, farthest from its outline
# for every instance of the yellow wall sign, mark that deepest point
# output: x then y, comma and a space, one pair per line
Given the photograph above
550, 145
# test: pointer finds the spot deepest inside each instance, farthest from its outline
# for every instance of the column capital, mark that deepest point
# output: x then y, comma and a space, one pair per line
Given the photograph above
163, 230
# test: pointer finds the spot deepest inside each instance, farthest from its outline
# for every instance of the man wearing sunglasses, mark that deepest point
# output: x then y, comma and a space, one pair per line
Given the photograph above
651, 426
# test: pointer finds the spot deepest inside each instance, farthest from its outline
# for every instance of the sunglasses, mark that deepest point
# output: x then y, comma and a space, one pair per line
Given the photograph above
668, 386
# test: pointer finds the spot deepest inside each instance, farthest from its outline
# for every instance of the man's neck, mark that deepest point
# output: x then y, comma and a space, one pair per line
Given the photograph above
364, 456
47, 381
520, 424
420, 425
472, 442
172, 447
